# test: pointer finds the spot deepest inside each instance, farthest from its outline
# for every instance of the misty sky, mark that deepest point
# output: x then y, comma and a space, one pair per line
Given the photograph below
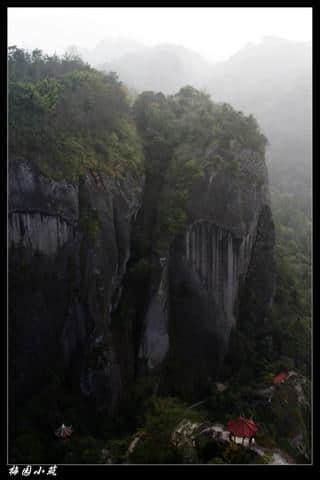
216, 33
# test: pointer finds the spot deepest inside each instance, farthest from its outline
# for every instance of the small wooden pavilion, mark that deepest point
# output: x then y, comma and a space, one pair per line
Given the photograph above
63, 432
242, 430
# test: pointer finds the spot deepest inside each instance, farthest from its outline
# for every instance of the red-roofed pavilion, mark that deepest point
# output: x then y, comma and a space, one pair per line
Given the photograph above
241, 428
280, 378
63, 432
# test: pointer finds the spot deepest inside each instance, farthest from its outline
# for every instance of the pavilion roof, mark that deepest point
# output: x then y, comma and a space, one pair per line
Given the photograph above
63, 431
242, 427
279, 378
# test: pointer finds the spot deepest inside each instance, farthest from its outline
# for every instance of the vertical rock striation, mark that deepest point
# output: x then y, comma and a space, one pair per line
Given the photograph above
227, 249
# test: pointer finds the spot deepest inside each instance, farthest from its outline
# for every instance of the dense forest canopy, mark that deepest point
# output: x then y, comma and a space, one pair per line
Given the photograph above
69, 115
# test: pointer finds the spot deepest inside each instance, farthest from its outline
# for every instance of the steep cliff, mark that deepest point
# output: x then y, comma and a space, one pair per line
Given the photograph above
212, 266
224, 254
122, 264
212, 250
69, 247
75, 186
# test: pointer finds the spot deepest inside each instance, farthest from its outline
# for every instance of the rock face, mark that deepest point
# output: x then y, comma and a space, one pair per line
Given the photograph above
39, 232
225, 253
69, 247
155, 340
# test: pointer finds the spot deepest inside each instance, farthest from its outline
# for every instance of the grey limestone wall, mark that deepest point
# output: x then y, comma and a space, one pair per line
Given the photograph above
69, 245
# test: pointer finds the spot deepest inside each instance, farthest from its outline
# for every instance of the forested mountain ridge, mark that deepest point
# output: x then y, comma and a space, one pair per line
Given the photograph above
140, 236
